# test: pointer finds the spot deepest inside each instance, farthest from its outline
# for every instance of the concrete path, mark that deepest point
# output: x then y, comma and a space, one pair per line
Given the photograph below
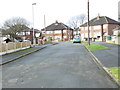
65, 65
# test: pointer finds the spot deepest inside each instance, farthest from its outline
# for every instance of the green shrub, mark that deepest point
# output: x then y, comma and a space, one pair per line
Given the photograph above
118, 34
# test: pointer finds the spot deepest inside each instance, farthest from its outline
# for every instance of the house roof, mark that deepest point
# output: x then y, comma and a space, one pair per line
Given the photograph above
99, 20
16, 36
28, 30
56, 26
118, 28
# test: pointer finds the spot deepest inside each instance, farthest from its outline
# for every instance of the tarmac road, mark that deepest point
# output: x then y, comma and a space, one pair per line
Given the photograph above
109, 58
65, 65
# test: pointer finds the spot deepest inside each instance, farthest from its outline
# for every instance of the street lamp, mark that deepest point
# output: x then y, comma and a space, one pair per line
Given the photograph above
33, 23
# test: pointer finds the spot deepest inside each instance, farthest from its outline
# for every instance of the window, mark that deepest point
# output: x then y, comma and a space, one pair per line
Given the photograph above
64, 31
97, 34
27, 33
57, 37
64, 36
21, 33
105, 26
86, 28
57, 31
82, 28
86, 34
97, 27
49, 32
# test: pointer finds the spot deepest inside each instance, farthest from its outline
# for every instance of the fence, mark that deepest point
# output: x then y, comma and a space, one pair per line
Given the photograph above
13, 46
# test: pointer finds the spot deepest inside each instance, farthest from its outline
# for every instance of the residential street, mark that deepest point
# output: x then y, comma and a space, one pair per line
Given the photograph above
65, 65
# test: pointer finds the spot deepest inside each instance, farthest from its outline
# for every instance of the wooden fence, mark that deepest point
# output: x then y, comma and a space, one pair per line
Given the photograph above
4, 47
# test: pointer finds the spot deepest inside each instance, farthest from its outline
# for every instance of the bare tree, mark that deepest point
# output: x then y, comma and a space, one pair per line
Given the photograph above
14, 25
76, 21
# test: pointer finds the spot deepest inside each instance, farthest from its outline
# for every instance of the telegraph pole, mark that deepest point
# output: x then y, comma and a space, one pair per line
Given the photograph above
88, 25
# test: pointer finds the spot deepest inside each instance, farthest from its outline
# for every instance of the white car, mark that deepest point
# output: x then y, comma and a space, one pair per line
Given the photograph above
76, 40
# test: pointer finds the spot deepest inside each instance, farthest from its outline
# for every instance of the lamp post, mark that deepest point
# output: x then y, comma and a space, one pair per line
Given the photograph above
33, 22
45, 26
88, 25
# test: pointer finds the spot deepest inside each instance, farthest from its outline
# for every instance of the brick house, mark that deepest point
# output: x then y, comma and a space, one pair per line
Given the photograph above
58, 31
28, 34
100, 27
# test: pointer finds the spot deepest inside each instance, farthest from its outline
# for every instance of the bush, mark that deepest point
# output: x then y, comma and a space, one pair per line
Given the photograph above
118, 34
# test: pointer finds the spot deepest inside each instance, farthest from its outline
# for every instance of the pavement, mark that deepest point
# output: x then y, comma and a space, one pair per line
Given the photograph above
7, 58
109, 57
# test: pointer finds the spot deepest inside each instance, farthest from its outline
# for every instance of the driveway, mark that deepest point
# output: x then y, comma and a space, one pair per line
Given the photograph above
65, 65
110, 57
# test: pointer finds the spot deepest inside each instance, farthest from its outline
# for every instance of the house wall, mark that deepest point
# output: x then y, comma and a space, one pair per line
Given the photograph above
111, 27
1, 37
57, 34
96, 31
29, 36
116, 32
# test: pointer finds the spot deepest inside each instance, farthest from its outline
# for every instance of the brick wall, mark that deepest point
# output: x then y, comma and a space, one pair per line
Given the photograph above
111, 27
53, 35
108, 30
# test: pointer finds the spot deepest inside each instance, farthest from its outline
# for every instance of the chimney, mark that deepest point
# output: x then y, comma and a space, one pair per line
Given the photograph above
56, 21
98, 17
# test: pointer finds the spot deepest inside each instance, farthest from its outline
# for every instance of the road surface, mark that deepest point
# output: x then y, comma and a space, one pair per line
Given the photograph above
65, 65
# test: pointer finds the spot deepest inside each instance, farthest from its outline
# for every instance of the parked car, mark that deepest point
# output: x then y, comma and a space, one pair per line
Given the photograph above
76, 40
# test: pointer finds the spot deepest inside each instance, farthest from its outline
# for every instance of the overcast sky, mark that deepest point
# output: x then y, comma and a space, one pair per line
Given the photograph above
60, 10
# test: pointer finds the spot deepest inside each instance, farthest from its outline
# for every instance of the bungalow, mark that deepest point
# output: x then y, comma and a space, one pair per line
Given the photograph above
100, 27
58, 31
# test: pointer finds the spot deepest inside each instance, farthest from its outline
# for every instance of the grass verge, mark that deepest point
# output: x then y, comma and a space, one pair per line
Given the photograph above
17, 51
115, 71
96, 46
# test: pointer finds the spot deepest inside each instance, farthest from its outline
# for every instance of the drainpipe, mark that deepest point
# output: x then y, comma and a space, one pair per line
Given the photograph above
102, 32
62, 35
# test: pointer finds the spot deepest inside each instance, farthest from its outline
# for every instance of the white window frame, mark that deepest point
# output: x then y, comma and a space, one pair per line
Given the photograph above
97, 27
57, 31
